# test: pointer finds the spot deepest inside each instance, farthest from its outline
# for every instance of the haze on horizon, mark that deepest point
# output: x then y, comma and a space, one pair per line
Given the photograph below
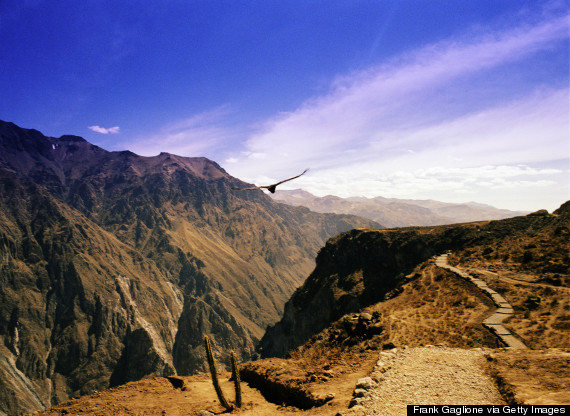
446, 100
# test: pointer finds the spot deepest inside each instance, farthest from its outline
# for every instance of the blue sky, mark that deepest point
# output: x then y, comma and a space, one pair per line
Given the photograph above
427, 99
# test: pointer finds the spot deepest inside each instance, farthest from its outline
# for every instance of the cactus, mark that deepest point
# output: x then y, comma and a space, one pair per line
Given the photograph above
214, 374
235, 376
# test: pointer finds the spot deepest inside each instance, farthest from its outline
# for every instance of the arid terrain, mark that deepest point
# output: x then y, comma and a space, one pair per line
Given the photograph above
424, 343
392, 212
114, 266
495, 376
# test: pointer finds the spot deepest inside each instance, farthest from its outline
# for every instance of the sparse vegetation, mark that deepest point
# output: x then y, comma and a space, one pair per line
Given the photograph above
215, 381
532, 376
532, 272
214, 374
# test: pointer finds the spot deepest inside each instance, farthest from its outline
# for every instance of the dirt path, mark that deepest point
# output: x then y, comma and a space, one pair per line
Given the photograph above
504, 308
426, 375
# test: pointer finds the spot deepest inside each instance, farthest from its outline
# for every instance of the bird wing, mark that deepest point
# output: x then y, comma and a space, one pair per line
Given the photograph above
290, 179
270, 186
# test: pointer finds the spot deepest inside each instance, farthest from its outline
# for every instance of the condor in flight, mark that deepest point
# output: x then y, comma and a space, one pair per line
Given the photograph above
270, 188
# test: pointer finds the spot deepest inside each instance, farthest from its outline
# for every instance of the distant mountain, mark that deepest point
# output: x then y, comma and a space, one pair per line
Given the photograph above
113, 266
361, 268
392, 212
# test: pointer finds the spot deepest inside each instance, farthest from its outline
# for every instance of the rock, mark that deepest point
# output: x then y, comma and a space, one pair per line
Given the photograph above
177, 382
359, 393
365, 317
357, 401
377, 376
366, 383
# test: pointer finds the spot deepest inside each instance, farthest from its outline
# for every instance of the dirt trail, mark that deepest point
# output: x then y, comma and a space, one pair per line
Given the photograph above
504, 308
426, 375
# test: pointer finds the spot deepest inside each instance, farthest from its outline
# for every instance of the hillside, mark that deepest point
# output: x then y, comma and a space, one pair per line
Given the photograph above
114, 265
397, 329
360, 268
393, 212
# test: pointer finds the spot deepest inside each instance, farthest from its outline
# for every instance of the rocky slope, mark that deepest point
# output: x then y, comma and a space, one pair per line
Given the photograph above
433, 317
113, 265
393, 212
362, 267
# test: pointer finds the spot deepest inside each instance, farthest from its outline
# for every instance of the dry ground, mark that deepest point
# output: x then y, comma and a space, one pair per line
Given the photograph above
533, 276
158, 396
433, 307
532, 376
521, 377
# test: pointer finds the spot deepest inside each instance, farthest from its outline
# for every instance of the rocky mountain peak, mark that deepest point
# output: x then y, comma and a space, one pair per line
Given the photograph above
114, 265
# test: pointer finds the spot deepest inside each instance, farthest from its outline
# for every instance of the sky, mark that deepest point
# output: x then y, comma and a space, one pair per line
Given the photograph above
456, 100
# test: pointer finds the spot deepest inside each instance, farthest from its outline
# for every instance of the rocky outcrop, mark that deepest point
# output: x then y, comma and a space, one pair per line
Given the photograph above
353, 270
113, 266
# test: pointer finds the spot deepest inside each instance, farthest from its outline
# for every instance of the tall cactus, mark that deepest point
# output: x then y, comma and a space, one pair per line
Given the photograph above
235, 376
214, 374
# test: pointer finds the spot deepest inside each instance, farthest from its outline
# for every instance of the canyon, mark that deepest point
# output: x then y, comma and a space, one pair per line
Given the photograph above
113, 265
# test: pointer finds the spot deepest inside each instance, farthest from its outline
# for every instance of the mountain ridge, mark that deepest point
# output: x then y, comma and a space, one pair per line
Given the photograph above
114, 265
393, 212
417, 340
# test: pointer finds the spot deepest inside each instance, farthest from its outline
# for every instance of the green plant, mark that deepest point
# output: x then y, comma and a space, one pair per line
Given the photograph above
213, 372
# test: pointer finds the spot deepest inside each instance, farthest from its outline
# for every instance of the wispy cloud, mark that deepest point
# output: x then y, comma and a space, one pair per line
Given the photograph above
456, 105
203, 134
466, 117
103, 130
405, 94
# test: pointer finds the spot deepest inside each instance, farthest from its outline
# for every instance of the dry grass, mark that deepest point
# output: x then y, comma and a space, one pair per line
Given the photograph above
433, 307
532, 272
532, 376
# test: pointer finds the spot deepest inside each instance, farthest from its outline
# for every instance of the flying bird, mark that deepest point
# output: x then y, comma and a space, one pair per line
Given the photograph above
270, 188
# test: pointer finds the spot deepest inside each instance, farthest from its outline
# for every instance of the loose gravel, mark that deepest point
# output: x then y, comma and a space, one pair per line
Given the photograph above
424, 376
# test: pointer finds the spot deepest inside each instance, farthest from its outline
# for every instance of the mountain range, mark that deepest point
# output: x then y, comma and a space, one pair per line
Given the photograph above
380, 320
392, 212
360, 268
113, 266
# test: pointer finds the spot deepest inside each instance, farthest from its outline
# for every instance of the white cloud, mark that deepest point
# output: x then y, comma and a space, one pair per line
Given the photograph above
406, 94
103, 130
500, 185
203, 134
449, 106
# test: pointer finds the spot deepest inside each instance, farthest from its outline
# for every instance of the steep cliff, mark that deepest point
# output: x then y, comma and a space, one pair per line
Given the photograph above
113, 265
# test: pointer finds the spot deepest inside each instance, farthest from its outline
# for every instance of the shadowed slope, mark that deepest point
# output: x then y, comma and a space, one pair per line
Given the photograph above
115, 265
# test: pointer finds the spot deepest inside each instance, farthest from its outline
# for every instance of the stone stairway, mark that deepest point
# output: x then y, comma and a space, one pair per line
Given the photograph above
504, 309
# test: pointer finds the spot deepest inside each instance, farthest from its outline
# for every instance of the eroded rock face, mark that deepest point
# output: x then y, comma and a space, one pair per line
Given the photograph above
113, 266
353, 270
